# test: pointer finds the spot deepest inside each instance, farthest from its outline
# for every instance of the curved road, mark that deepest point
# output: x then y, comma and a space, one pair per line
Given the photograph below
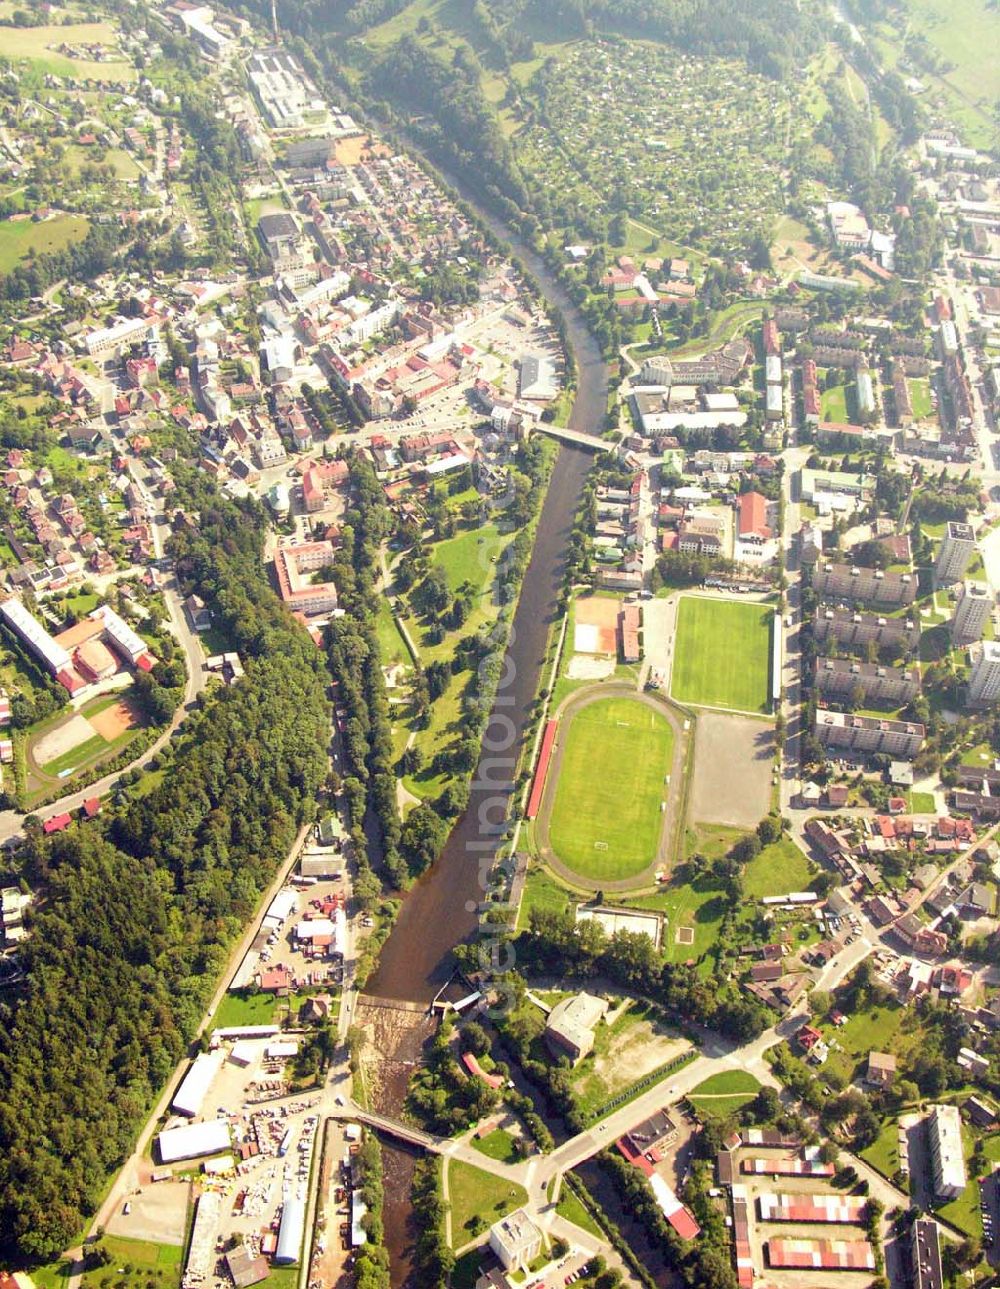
11, 821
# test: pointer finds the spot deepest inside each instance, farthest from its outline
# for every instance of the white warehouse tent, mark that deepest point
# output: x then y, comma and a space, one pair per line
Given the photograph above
194, 1139
293, 1224
190, 1096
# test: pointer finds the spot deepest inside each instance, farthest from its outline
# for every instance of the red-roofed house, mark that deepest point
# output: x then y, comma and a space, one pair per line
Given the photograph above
276, 980
91, 808
753, 526
56, 824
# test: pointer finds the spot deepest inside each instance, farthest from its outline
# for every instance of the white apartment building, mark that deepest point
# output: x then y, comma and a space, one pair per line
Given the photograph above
958, 547
973, 607
984, 680
944, 1138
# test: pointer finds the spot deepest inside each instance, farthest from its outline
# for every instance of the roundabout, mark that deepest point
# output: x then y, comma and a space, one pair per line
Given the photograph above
614, 796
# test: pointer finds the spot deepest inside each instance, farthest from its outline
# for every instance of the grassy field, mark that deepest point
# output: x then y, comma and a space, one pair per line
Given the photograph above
960, 31
922, 803
636, 1044
20, 240
38, 44
474, 1193
833, 404
698, 905
541, 891
779, 869
964, 1212
723, 1094
883, 1153
469, 556
723, 656
79, 755
158, 1265
920, 396
572, 1209
391, 648
606, 818
245, 1007
497, 1145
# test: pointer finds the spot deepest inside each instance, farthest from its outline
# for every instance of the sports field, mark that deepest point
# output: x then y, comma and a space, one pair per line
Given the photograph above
606, 818
723, 654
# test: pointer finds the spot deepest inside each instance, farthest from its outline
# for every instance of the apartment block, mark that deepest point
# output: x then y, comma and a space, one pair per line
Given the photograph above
944, 1141
925, 1254
901, 739
984, 679
864, 585
973, 607
853, 627
843, 677
955, 554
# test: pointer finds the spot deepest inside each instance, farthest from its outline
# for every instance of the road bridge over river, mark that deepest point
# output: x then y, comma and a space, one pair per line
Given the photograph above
578, 438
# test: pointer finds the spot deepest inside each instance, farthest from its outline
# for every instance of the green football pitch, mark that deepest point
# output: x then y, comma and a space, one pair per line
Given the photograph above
606, 817
722, 656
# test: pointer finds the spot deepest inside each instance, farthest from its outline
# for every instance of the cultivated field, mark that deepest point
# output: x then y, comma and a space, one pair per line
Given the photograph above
606, 817
723, 655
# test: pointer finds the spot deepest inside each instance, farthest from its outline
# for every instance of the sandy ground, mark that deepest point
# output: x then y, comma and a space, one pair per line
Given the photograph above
601, 612
159, 1214
635, 1052
583, 666
62, 739
329, 1264
115, 720
732, 770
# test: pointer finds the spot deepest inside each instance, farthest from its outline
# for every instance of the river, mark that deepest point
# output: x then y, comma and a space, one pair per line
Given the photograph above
441, 911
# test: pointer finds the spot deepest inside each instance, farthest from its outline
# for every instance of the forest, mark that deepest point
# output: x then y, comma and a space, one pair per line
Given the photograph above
139, 908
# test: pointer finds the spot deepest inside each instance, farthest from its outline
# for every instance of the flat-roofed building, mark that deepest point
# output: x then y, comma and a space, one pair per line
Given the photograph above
947, 1155
820, 1255
516, 1240
955, 554
845, 1209
901, 739
193, 1140
844, 677
857, 627
925, 1254
864, 585
974, 605
984, 678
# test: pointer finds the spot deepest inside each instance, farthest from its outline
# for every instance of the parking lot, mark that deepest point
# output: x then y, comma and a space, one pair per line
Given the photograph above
273, 1134
761, 1231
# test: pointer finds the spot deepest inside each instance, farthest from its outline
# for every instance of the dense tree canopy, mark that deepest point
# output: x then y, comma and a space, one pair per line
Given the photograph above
140, 907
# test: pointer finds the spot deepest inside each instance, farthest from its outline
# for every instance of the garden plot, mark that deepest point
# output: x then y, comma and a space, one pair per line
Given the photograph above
698, 144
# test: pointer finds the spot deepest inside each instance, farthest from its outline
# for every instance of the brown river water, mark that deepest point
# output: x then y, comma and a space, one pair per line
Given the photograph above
441, 911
